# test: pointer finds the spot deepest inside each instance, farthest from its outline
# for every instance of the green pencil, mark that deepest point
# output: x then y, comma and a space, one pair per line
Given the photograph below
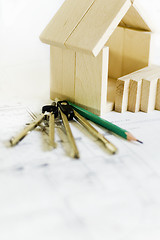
102, 122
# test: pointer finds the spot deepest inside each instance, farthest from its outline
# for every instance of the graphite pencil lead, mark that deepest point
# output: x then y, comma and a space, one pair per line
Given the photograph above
130, 137
139, 141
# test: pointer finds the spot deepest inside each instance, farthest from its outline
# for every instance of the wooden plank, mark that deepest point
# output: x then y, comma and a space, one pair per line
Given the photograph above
115, 44
134, 97
105, 107
69, 69
111, 90
62, 80
65, 21
121, 95
97, 25
149, 93
149, 90
136, 86
91, 81
158, 96
148, 100
56, 73
136, 50
126, 94
134, 19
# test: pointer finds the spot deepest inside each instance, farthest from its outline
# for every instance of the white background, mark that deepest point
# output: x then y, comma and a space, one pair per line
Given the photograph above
46, 195
24, 60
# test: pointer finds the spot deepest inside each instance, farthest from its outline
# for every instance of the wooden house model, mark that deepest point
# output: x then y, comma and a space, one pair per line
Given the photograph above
93, 43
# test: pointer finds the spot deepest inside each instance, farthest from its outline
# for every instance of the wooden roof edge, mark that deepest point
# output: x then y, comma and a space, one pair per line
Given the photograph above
100, 44
111, 29
50, 42
65, 20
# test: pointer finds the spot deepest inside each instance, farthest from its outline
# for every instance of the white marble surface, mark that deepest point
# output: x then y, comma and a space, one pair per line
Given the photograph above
44, 194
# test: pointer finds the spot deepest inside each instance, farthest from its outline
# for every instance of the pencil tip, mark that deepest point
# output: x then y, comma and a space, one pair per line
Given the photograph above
139, 141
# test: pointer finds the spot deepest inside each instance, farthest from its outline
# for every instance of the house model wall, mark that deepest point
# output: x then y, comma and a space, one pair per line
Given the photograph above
92, 44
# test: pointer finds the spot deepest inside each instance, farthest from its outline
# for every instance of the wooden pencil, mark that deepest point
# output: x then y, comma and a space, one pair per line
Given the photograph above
102, 122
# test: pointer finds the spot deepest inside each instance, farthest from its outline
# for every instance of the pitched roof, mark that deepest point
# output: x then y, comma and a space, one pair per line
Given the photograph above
87, 24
